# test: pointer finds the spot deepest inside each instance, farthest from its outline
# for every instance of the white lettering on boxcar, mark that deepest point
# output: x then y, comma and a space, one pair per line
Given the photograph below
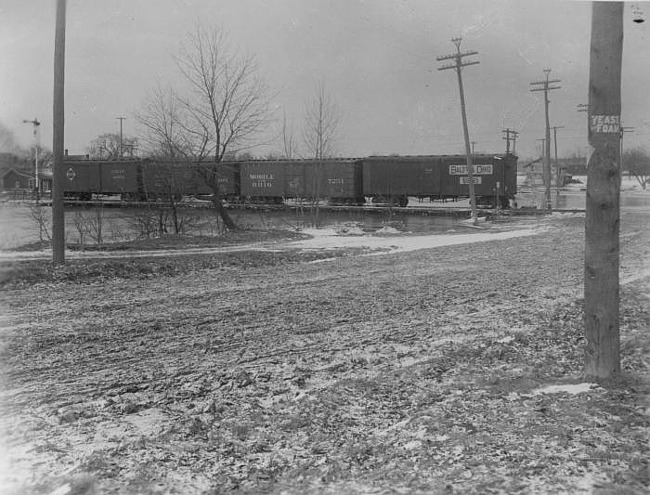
477, 180
483, 169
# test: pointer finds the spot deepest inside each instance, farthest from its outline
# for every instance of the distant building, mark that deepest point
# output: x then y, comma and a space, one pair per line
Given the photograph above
68, 157
576, 165
17, 180
11, 161
560, 174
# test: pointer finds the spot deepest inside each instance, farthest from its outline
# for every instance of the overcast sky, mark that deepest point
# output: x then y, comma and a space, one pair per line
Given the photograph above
376, 58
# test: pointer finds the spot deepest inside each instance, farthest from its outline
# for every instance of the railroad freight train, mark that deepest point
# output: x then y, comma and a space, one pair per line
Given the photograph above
380, 179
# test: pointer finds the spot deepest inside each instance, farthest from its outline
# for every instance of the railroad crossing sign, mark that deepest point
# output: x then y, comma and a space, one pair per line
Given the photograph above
70, 174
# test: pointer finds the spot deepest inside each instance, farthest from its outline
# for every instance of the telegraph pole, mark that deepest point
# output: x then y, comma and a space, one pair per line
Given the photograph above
509, 132
37, 143
602, 221
121, 119
557, 167
546, 86
58, 212
623, 131
457, 66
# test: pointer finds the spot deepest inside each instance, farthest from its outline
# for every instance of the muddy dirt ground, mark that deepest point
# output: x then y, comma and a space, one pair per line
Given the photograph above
299, 371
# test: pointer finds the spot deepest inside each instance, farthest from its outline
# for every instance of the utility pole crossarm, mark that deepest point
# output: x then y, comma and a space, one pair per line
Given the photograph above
552, 81
456, 56
464, 64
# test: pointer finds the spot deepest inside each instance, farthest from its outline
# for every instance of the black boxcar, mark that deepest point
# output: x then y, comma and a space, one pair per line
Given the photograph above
83, 178
120, 178
161, 178
228, 178
495, 178
337, 180
394, 178
272, 180
263, 181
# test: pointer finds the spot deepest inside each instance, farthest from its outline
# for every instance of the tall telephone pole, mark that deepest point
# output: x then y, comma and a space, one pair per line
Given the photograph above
546, 86
37, 144
121, 151
58, 212
557, 167
457, 66
623, 131
509, 132
602, 220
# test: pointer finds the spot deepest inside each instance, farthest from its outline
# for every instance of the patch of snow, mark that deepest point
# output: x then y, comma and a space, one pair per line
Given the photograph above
324, 239
349, 229
387, 230
638, 275
571, 389
470, 220
559, 214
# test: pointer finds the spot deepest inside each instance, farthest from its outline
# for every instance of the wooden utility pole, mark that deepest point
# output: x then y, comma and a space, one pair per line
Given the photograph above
557, 167
121, 150
509, 132
546, 86
58, 212
602, 356
37, 144
458, 65
623, 131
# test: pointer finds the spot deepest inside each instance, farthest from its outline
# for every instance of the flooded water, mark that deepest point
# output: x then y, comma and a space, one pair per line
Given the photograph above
21, 224
575, 200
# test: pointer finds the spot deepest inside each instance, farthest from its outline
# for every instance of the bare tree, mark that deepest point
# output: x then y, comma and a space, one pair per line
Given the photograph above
321, 125
637, 164
319, 136
288, 143
227, 104
110, 146
162, 117
223, 106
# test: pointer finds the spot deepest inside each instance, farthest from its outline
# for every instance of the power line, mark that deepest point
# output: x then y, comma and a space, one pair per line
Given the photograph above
546, 85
